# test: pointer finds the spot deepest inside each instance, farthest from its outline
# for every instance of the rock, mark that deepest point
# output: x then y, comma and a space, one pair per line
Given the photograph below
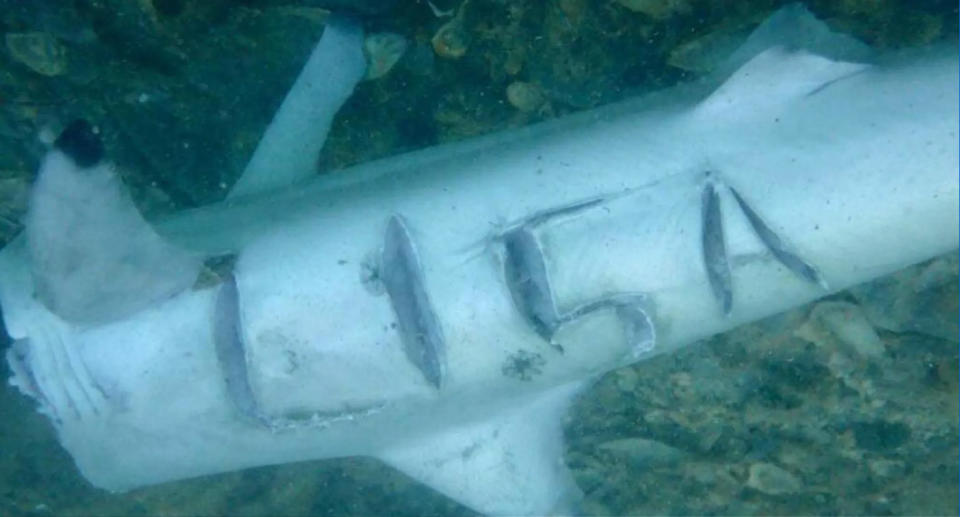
383, 50
843, 322
525, 96
39, 51
772, 480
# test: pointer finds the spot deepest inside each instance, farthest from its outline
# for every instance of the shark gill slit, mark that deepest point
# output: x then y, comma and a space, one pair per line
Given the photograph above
714, 248
777, 247
228, 341
402, 277
525, 272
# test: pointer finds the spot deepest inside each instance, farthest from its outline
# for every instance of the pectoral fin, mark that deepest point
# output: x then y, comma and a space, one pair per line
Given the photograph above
508, 465
289, 150
94, 258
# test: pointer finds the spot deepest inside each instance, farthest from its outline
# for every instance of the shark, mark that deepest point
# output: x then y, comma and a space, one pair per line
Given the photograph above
440, 310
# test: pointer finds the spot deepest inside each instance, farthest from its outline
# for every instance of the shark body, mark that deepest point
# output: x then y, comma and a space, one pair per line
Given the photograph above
440, 310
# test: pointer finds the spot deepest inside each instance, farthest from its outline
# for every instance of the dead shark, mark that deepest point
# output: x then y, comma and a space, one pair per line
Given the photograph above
440, 310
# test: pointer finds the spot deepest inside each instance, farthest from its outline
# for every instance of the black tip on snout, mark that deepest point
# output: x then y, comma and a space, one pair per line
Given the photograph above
80, 142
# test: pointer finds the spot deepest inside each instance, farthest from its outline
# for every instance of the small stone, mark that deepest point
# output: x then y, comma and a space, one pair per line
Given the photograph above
772, 480
525, 96
39, 51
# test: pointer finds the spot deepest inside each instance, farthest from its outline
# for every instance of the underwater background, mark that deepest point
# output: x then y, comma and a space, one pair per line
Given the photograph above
847, 406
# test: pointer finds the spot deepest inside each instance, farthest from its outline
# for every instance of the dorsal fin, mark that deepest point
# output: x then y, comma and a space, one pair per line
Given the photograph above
789, 55
93, 256
289, 149
774, 77
793, 27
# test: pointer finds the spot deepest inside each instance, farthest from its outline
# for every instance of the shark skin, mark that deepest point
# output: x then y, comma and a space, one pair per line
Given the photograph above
440, 310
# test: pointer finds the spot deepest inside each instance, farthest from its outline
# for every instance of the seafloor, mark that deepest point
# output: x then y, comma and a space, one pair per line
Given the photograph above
848, 406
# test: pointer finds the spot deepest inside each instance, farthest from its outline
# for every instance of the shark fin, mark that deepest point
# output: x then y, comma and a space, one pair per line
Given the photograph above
509, 465
773, 78
94, 258
790, 55
791, 27
796, 28
289, 149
